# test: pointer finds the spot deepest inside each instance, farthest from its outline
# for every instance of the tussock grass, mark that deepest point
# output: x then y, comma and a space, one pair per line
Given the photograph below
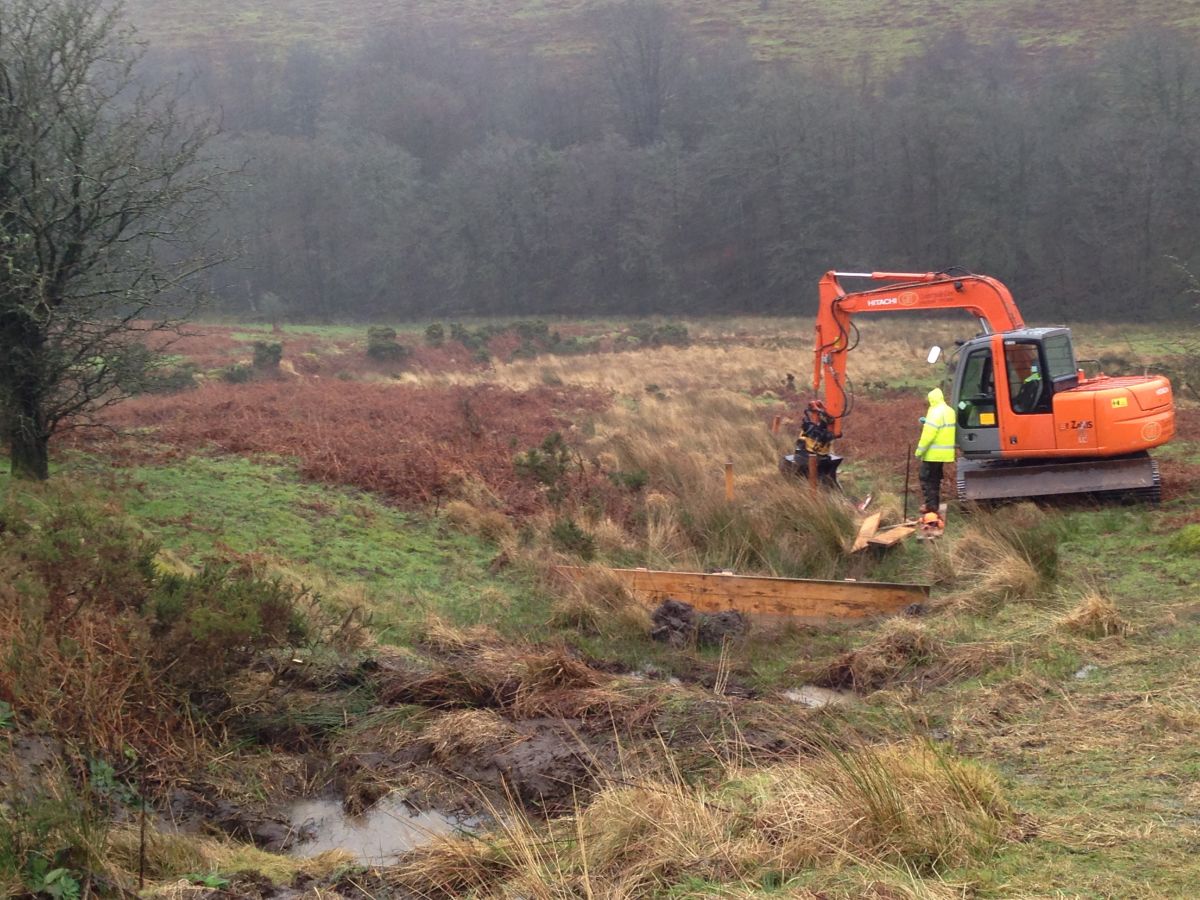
901, 646
907, 806
597, 602
1009, 554
490, 524
442, 636
1095, 616
169, 856
469, 731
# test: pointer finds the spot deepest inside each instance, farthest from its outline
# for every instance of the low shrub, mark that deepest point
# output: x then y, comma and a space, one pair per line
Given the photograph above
548, 465
634, 480
207, 626
566, 535
238, 373
267, 356
435, 334
382, 345
106, 651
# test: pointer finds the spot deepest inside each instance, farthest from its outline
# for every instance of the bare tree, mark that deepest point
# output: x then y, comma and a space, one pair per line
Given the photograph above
100, 185
642, 50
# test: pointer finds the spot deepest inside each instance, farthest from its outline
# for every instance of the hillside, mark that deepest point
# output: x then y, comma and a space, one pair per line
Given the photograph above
848, 31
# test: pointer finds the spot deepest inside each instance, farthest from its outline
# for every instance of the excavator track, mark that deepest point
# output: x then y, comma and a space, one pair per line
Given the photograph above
1122, 478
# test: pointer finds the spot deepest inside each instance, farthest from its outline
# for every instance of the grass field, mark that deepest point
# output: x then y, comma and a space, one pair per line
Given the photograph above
1030, 735
871, 33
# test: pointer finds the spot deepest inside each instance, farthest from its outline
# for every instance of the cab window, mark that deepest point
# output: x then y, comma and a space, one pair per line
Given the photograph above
1060, 357
977, 391
1029, 390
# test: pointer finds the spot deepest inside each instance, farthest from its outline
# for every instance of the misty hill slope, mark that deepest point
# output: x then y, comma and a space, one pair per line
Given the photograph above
869, 32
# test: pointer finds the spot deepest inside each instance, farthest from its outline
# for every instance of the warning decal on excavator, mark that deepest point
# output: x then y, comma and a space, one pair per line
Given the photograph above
987, 418
1119, 402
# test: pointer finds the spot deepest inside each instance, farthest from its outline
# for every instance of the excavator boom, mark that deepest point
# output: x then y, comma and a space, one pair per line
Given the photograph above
985, 298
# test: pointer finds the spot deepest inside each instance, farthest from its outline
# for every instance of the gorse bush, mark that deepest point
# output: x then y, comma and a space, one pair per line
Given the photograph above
267, 356
566, 535
104, 649
238, 373
382, 346
435, 334
548, 465
209, 625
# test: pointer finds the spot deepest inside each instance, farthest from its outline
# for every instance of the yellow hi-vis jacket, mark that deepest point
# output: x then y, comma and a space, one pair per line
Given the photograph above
937, 437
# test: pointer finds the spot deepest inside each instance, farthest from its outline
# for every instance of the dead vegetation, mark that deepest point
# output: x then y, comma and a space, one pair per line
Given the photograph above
597, 602
907, 805
901, 648
1002, 555
1095, 616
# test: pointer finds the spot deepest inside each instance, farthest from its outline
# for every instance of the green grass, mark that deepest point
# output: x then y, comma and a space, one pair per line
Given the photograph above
400, 565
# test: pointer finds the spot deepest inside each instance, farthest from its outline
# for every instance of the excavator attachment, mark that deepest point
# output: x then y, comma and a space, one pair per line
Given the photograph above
1134, 477
797, 465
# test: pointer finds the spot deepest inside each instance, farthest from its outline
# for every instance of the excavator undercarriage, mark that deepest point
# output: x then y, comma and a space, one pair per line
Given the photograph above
1122, 478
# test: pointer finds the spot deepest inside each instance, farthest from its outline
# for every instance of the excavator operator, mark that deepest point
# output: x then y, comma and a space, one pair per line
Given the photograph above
935, 449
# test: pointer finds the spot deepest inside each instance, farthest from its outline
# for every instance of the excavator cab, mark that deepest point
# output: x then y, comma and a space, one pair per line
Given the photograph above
1029, 424
1034, 365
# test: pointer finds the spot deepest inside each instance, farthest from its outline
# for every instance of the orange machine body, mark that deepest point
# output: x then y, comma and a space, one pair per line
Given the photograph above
1085, 417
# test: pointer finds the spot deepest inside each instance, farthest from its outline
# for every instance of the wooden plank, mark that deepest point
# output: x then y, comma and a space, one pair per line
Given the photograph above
892, 536
866, 531
764, 596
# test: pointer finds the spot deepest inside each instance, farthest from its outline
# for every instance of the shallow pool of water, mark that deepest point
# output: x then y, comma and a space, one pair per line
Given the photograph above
377, 837
816, 697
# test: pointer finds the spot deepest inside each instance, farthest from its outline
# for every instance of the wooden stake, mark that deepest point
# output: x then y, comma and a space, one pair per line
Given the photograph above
775, 423
729, 481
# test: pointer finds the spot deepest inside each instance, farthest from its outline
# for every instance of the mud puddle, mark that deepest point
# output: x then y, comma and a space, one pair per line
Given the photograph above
813, 697
378, 836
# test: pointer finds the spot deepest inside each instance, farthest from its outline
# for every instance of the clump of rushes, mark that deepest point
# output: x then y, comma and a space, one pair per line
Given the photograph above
902, 646
907, 807
1008, 554
1095, 616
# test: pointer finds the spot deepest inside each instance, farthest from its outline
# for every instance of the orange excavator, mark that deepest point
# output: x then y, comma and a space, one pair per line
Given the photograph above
1030, 422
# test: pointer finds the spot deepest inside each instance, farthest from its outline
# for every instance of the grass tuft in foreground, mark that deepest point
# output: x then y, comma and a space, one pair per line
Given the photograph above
911, 806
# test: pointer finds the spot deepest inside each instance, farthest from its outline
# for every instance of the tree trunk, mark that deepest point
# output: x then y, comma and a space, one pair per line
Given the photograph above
29, 441
28, 435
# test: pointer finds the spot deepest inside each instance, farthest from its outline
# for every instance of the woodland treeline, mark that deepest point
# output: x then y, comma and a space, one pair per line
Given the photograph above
420, 175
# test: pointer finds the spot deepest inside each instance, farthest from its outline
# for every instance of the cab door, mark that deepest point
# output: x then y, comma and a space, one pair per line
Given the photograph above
978, 432
1027, 397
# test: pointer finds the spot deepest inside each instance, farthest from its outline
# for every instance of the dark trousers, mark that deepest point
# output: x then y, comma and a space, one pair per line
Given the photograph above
931, 484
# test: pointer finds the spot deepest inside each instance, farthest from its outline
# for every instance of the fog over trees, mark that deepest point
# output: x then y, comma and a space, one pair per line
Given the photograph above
419, 175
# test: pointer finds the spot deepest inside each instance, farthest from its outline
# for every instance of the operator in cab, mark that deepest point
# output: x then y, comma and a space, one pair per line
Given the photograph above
934, 450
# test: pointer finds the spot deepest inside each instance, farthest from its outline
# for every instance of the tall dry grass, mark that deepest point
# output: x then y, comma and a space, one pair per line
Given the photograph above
908, 808
1007, 554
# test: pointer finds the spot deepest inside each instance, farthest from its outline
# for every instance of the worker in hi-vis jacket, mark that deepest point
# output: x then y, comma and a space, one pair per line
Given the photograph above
934, 450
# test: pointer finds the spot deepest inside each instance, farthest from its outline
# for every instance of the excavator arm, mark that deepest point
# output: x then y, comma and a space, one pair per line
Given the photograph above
984, 297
